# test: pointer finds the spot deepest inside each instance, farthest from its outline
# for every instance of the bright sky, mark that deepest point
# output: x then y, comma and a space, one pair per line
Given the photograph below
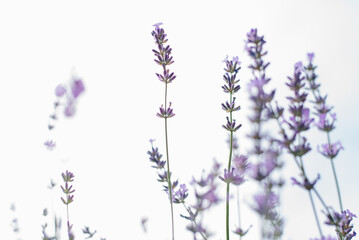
108, 44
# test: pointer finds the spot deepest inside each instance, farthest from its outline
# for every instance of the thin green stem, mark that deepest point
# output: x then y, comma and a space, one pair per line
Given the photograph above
315, 214
239, 212
229, 169
321, 200
168, 168
335, 176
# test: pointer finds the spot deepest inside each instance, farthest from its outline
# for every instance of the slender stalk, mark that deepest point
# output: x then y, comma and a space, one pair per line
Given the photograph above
315, 214
321, 200
239, 212
335, 177
229, 169
168, 168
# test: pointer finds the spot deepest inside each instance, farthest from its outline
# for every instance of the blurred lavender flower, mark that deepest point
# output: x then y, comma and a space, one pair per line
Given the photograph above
86, 230
232, 176
239, 231
306, 183
330, 150
241, 164
264, 205
60, 90
50, 144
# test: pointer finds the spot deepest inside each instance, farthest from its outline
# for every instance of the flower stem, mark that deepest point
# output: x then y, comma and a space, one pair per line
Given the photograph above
315, 214
229, 169
335, 177
168, 168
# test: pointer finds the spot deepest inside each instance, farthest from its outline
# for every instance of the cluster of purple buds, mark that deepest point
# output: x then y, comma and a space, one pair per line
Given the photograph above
265, 204
233, 176
71, 93
330, 150
254, 47
306, 184
181, 194
261, 170
155, 157
231, 86
300, 119
239, 231
342, 222
206, 189
88, 232
165, 113
163, 53
241, 164
67, 189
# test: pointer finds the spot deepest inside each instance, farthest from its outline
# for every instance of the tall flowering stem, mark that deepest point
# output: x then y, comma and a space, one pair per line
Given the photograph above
67, 189
298, 123
325, 123
231, 86
264, 148
164, 58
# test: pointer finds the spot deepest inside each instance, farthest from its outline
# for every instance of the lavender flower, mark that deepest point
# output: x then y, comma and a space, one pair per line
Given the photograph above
330, 150
264, 205
306, 183
60, 90
165, 113
164, 58
50, 144
87, 231
342, 222
232, 176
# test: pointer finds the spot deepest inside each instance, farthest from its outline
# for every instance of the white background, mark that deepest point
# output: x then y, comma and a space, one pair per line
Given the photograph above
109, 43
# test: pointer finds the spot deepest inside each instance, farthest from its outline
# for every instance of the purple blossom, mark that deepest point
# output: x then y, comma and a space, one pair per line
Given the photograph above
231, 125
239, 231
330, 150
165, 113
181, 194
324, 124
70, 108
265, 203
241, 163
77, 87
310, 57
50, 144
60, 90
262, 170
298, 67
305, 184
232, 176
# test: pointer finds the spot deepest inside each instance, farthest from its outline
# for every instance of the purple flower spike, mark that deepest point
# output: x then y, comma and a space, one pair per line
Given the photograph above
60, 90
77, 87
